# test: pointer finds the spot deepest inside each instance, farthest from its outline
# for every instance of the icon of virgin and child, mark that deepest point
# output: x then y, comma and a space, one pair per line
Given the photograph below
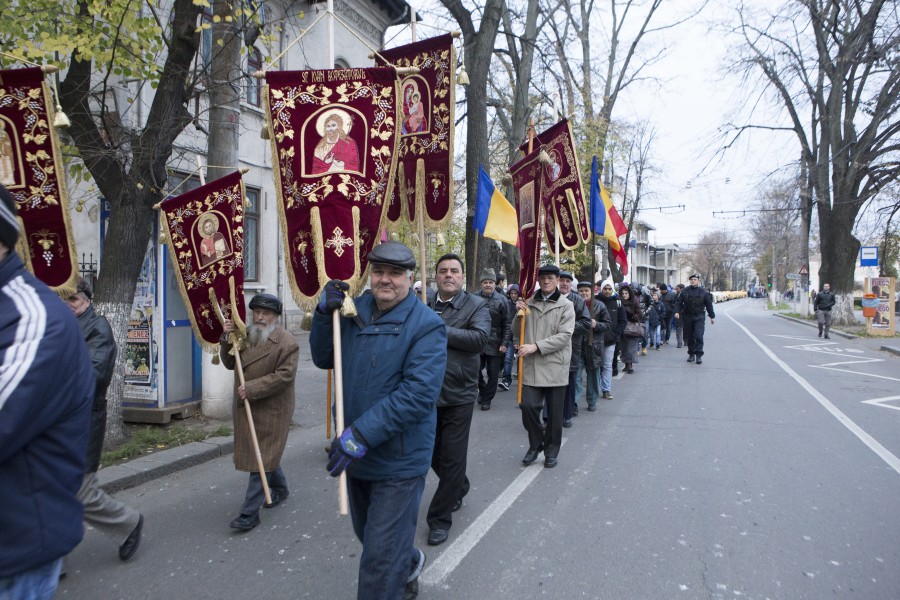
413, 119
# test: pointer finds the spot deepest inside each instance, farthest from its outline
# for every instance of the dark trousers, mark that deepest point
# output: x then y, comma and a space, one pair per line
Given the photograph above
487, 389
255, 494
533, 399
571, 400
384, 517
694, 325
451, 446
665, 328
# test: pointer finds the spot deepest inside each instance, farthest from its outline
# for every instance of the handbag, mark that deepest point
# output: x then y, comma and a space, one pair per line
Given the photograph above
634, 329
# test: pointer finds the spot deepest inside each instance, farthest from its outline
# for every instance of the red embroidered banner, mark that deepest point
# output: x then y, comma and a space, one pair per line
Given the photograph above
527, 175
32, 170
205, 231
334, 150
424, 178
561, 188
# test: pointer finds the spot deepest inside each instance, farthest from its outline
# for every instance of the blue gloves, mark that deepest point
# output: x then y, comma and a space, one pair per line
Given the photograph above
344, 450
333, 296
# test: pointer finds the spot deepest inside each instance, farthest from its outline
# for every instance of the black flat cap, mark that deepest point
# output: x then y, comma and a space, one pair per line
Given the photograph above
585, 284
393, 253
694, 276
549, 270
566, 275
266, 302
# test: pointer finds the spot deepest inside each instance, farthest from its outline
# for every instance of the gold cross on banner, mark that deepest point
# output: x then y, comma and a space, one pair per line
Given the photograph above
338, 241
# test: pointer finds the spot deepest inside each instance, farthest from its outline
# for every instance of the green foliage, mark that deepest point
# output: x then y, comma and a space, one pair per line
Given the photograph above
150, 439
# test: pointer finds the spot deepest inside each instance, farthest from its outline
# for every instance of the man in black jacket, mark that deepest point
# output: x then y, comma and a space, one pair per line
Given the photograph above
667, 297
468, 322
823, 304
499, 339
617, 319
582, 325
690, 307
100, 510
592, 344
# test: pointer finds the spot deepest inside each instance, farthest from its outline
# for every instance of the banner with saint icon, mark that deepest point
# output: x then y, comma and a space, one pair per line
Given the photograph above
32, 170
334, 150
424, 178
561, 187
527, 175
204, 230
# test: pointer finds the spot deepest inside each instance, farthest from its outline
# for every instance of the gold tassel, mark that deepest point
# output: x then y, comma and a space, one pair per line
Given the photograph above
163, 239
415, 239
395, 237
60, 120
306, 322
264, 133
441, 242
215, 358
349, 307
462, 78
544, 158
247, 203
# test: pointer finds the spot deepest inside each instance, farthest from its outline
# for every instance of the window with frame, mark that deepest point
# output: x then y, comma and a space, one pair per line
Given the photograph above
251, 236
254, 64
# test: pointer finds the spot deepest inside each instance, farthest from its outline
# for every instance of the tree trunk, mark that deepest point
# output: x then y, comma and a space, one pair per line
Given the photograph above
839, 249
224, 95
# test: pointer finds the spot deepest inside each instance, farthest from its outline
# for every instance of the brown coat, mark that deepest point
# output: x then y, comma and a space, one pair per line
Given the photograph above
269, 372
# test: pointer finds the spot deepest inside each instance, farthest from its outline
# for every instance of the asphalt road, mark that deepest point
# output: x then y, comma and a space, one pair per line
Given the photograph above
770, 471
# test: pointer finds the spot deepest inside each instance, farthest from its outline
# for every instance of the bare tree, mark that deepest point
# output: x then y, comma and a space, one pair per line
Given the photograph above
716, 257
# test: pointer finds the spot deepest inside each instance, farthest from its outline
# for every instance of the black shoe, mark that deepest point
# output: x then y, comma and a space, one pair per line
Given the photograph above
592, 407
245, 522
699, 361
567, 423
820, 333
827, 337
615, 372
436, 537
131, 543
549, 462
607, 396
575, 414
485, 407
411, 591
690, 358
277, 496
457, 506
678, 346
531, 456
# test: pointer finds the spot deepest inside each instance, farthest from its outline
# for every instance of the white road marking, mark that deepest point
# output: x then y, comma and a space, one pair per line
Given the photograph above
881, 402
460, 548
873, 444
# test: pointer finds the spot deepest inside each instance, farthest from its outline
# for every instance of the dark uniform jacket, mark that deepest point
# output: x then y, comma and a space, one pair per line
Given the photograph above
693, 300
824, 301
582, 325
102, 350
501, 323
592, 343
468, 322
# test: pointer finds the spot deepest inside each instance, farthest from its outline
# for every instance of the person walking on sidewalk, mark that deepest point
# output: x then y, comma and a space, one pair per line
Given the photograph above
394, 351
468, 322
547, 352
690, 307
667, 297
46, 392
823, 304
631, 345
512, 294
269, 359
499, 339
110, 516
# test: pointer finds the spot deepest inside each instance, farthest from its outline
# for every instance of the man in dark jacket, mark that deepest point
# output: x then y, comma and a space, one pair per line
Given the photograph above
667, 297
114, 518
393, 352
617, 319
592, 344
512, 295
46, 391
823, 304
690, 307
582, 325
499, 339
468, 323
677, 324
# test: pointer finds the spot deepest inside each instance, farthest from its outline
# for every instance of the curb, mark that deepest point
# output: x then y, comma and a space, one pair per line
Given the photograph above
891, 349
159, 464
848, 336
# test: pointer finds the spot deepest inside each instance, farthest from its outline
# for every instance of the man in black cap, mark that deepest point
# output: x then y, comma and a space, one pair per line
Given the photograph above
689, 307
269, 358
499, 338
582, 325
547, 351
393, 352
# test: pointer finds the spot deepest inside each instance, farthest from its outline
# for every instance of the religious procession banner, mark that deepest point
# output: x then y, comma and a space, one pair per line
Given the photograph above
32, 170
561, 188
424, 180
527, 175
205, 233
334, 148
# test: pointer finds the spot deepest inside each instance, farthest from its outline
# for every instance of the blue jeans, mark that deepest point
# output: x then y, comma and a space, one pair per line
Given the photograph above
508, 363
578, 385
255, 495
593, 385
654, 336
606, 372
384, 515
38, 583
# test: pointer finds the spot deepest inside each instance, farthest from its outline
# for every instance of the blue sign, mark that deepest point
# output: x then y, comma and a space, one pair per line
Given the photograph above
868, 256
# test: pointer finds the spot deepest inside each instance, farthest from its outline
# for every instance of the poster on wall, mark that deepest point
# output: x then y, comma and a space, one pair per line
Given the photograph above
140, 347
882, 288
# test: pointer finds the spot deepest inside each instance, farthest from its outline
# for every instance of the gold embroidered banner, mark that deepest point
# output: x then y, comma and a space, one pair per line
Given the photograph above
424, 180
32, 170
205, 233
334, 148
527, 175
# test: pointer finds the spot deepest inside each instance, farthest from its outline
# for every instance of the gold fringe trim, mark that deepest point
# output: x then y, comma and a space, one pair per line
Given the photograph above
421, 184
22, 246
239, 325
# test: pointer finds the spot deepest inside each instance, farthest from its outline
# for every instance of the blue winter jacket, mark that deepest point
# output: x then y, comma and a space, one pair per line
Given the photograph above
392, 374
46, 392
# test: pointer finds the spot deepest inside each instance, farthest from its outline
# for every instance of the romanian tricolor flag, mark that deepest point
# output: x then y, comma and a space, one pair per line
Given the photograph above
495, 217
605, 219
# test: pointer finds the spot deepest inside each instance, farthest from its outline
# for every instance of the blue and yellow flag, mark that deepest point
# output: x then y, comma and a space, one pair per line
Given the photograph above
495, 217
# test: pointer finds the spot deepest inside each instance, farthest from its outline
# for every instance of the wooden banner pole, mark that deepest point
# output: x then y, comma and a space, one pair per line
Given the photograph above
343, 500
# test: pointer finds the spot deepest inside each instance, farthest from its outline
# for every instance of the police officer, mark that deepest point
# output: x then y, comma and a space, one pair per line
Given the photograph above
689, 307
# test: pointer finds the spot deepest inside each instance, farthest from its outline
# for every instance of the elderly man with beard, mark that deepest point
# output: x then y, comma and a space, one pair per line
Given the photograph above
269, 358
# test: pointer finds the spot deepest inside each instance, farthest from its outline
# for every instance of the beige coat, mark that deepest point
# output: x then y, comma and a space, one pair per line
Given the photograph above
549, 325
269, 372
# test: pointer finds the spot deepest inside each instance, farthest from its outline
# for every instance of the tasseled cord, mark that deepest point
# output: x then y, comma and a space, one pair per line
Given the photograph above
349, 307
215, 358
306, 322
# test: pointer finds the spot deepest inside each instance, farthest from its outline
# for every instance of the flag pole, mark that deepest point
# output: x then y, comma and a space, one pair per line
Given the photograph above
523, 312
343, 500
